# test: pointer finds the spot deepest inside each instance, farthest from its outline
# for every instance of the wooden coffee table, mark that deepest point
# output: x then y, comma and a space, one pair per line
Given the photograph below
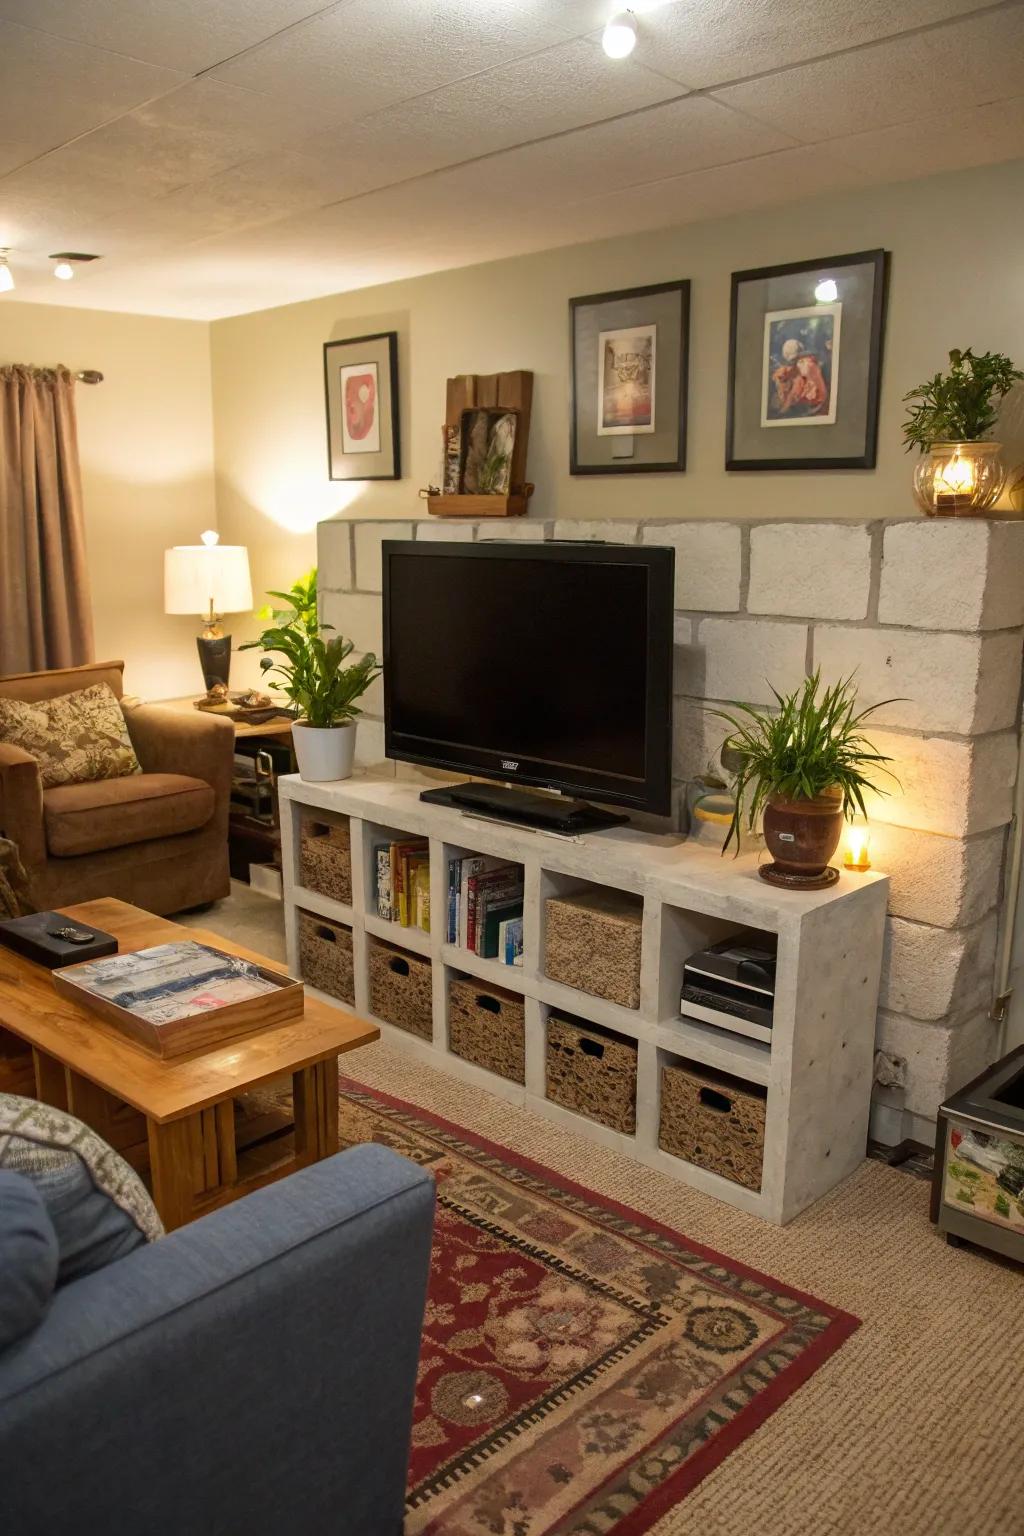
175, 1120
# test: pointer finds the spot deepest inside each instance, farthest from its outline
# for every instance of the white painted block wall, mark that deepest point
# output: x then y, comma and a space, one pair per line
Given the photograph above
929, 612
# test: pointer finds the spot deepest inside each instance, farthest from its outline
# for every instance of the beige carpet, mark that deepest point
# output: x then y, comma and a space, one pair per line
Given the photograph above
912, 1429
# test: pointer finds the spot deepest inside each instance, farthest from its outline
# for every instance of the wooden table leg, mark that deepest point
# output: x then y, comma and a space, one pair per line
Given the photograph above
315, 1098
170, 1162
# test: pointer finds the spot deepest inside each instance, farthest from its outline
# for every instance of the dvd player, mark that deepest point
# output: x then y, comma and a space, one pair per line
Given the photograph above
732, 984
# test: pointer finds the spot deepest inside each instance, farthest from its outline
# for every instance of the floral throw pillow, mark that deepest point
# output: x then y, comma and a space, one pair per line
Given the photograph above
75, 738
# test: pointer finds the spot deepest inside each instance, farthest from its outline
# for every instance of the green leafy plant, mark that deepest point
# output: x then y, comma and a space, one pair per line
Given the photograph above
812, 745
316, 680
960, 406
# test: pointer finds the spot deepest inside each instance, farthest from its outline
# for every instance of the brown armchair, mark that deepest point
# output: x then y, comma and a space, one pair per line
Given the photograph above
158, 838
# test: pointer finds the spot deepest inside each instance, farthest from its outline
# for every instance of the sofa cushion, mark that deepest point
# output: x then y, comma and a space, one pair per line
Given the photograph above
99, 1207
76, 738
28, 1257
85, 818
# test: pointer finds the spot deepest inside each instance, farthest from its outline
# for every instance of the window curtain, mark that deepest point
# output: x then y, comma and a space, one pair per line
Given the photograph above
45, 608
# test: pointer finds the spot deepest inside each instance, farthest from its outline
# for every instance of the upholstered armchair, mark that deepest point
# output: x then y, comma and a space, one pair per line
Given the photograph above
156, 838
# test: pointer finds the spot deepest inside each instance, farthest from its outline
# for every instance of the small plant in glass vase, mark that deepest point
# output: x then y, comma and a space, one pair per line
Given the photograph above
960, 472
804, 767
310, 659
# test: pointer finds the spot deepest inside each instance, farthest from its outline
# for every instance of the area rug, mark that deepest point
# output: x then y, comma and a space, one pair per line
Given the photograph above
583, 1368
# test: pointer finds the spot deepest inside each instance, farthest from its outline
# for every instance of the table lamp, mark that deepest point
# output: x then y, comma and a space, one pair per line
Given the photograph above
209, 579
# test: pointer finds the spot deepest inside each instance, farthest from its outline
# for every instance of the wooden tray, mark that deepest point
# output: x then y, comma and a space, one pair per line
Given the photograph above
201, 1031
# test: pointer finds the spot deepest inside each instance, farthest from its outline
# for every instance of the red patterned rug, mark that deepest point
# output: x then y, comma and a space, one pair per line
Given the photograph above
583, 1367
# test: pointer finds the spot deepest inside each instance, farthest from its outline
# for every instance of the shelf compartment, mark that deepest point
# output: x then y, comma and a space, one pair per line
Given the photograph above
683, 934
463, 907
401, 988
487, 1026
591, 1071
325, 854
393, 884
712, 1120
325, 955
593, 939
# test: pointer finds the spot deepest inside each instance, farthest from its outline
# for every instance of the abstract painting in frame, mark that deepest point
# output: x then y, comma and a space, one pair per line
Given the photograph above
361, 392
805, 351
629, 355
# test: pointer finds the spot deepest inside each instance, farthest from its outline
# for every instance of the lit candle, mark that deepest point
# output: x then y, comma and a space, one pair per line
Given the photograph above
955, 481
857, 851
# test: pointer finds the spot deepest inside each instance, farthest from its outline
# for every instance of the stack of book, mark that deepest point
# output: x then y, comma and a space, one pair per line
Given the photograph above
403, 882
485, 908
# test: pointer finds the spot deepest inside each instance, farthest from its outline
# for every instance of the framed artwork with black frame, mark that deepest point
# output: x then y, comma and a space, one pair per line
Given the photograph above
805, 363
361, 394
629, 355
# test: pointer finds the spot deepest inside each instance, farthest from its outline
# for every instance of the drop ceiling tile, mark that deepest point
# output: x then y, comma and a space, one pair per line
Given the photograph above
368, 54
952, 140
188, 35
970, 61
194, 132
560, 89
51, 90
711, 42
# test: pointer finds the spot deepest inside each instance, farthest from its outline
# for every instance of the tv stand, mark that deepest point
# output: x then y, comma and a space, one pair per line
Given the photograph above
546, 813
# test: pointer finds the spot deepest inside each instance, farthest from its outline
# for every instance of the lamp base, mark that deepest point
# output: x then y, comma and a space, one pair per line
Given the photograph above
214, 659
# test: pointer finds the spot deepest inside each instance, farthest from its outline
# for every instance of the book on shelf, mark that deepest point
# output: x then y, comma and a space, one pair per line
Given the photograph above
403, 882
510, 940
481, 888
382, 856
489, 946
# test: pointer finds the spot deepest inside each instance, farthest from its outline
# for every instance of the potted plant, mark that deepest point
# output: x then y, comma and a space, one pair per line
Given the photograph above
952, 415
805, 767
320, 686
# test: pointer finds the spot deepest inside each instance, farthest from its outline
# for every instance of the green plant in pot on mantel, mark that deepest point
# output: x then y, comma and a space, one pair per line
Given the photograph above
322, 689
952, 416
805, 767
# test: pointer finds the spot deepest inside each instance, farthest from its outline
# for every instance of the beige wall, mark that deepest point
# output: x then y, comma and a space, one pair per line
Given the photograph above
956, 281
146, 446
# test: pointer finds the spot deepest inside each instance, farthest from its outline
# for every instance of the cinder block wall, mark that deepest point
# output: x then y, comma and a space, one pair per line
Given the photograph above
930, 614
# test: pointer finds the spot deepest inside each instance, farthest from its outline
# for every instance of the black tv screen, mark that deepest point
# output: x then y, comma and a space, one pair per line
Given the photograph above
537, 664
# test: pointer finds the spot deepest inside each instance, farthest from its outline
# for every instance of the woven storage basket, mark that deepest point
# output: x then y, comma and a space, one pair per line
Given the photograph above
714, 1121
593, 1072
325, 859
487, 1025
592, 943
325, 953
401, 989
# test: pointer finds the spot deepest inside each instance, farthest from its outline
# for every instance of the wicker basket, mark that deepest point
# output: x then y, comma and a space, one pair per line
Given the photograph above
593, 1072
401, 989
325, 954
487, 1025
592, 943
325, 860
714, 1121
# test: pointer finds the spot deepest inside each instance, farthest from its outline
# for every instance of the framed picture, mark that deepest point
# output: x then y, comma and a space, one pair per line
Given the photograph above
805, 350
630, 355
361, 391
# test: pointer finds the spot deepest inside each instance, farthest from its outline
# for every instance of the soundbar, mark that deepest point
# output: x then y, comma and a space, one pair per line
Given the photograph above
545, 813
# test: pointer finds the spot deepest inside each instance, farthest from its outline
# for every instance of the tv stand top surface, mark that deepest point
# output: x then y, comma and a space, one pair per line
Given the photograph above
629, 858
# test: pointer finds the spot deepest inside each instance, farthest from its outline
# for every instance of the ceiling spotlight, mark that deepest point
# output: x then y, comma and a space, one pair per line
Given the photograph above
67, 261
6, 275
826, 292
64, 270
619, 37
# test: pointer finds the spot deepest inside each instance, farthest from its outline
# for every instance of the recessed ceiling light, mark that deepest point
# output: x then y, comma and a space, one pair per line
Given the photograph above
619, 37
6, 275
826, 292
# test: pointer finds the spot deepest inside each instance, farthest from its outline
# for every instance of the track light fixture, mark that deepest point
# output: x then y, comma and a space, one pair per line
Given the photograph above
6, 275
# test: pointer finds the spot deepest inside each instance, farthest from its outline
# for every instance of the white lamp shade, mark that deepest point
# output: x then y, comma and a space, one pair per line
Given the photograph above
198, 577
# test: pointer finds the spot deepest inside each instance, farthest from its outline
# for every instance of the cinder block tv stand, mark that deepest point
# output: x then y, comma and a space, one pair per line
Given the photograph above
817, 1070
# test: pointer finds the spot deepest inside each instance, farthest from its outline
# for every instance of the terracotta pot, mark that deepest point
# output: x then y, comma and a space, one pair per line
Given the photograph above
802, 835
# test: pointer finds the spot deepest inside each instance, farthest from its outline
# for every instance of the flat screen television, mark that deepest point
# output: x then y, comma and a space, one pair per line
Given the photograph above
536, 664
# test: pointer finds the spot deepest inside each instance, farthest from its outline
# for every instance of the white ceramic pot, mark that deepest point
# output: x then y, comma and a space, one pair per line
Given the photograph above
323, 752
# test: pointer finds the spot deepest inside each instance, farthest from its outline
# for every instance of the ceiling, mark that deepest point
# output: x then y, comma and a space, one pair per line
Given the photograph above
230, 155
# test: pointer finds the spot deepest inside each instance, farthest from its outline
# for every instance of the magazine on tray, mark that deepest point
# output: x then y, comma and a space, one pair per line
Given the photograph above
173, 981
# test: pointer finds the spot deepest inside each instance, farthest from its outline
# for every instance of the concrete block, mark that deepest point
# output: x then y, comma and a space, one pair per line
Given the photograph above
928, 972
356, 615
810, 570
740, 658
528, 528
334, 555
459, 530
958, 683
368, 538
953, 573
608, 532
372, 701
940, 1057
370, 747
955, 787
697, 738
708, 562
950, 882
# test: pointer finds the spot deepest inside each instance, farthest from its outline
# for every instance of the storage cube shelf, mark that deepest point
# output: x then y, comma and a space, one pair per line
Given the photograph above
814, 1077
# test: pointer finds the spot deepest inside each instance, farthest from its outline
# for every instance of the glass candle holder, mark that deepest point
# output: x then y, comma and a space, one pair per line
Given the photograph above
857, 845
959, 479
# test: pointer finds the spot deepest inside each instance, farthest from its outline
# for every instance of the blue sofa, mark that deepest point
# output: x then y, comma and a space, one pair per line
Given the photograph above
251, 1373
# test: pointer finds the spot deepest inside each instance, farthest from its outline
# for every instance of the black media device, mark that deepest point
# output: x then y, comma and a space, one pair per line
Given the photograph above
53, 940
732, 984
543, 665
